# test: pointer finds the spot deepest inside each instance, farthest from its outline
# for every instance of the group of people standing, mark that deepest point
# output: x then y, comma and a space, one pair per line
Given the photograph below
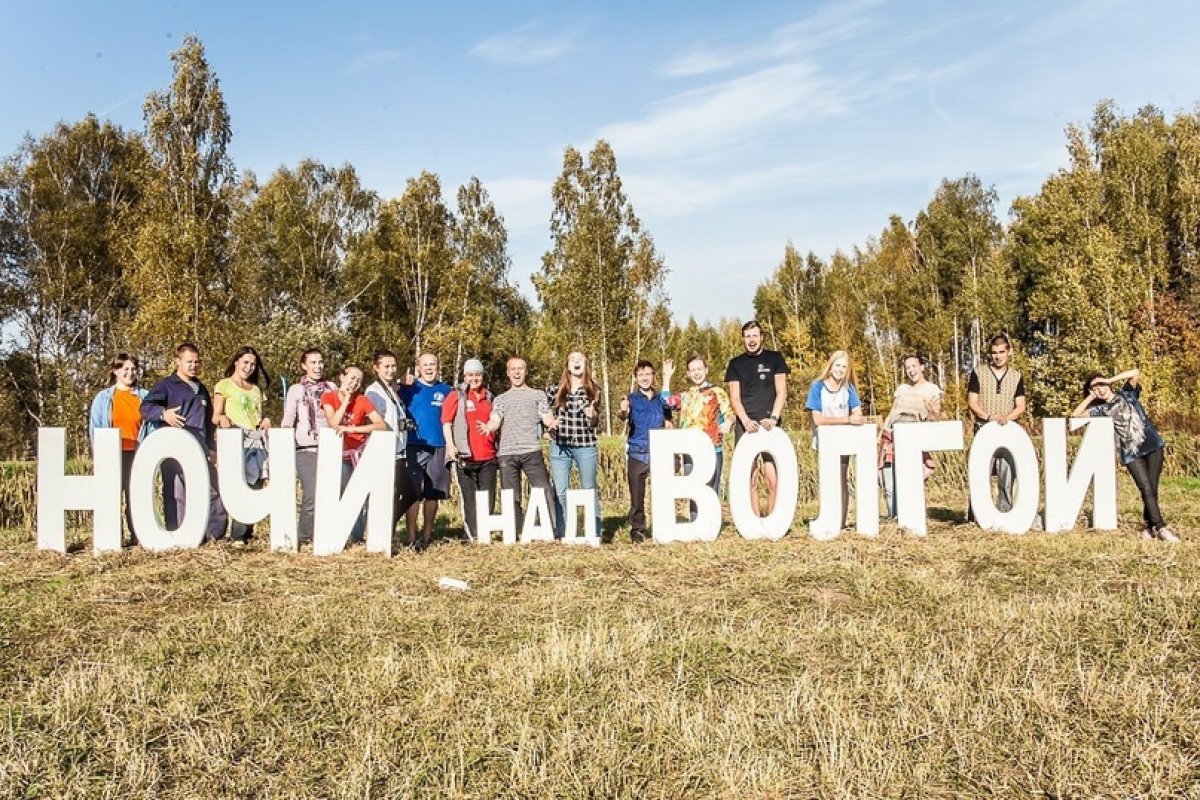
486, 440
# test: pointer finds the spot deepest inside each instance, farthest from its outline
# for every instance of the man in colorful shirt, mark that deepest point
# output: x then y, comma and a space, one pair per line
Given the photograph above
702, 406
646, 410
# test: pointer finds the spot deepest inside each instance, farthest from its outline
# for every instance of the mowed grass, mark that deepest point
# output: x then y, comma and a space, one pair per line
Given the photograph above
963, 664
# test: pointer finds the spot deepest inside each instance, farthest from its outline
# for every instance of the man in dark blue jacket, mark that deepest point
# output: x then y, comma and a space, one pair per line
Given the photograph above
646, 410
182, 401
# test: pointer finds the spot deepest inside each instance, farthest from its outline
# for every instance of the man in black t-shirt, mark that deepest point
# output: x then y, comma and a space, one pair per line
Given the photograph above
757, 382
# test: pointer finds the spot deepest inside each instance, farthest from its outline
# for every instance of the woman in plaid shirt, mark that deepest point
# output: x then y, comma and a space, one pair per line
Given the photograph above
573, 402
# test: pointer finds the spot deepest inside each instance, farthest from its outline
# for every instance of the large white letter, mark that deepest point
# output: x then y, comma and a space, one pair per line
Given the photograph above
371, 483
57, 492
665, 526
505, 521
988, 440
539, 524
180, 446
833, 442
581, 500
277, 499
1094, 464
911, 440
779, 446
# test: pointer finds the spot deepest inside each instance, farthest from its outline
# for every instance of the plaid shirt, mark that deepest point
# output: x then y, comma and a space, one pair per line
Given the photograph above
574, 429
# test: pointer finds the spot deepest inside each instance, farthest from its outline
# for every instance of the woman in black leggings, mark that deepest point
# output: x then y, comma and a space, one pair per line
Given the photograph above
1139, 443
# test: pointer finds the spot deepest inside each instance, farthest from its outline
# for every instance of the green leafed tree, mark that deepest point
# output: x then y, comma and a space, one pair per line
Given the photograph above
292, 238
600, 285
68, 202
182, 269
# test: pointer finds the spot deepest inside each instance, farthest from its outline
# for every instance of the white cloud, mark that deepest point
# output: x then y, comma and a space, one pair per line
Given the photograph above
370, 60
729, 113
828, 25
675, 195
525, 45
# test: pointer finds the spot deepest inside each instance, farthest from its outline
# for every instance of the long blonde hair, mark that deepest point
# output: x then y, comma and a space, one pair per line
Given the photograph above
851, 380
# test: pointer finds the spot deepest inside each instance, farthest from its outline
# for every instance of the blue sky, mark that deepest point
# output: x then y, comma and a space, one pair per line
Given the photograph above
737, 126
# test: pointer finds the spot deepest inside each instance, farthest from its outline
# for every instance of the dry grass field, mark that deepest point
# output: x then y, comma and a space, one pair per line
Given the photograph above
965, 664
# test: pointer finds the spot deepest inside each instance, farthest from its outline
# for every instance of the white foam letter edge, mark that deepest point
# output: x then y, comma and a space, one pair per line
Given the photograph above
58, 492
1095, 465
668, 488
779, 446
833, 442
181, 446
505, 522
276, 499
539, 523
581, 500
370, 483
1012, 437
912, 439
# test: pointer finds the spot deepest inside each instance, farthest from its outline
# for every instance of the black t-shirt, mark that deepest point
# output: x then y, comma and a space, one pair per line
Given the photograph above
756, 380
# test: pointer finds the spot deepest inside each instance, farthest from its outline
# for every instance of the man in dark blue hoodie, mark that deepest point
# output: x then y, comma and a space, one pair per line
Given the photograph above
182, 401
647, 410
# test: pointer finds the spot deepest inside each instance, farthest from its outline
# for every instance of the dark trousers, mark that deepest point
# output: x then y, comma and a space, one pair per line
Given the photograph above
1145, 472
404, 491
639, 473
475, 476
126, 471
534, 467
175, 501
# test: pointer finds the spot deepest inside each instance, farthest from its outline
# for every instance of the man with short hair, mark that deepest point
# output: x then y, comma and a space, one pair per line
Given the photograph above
426, 445
647, 410
703, 406
757, 381
998, 395
518, 415
181, 401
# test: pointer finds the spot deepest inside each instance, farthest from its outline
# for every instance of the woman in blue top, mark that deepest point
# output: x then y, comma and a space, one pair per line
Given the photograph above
1138, 442
833, 400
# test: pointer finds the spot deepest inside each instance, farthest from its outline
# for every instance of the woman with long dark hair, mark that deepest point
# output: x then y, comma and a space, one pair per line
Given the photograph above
1139, 444
573, 402
238, 403
119, 406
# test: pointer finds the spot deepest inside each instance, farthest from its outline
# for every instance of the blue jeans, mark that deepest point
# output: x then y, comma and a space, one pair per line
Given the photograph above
585, 460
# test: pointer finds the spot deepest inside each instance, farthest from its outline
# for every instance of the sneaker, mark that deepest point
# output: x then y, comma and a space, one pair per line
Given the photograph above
1167, 535
238, 545
1037, 523
637, 537
1147, 533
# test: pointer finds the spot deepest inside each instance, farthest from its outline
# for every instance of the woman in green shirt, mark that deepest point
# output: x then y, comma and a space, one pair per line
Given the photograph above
238, 403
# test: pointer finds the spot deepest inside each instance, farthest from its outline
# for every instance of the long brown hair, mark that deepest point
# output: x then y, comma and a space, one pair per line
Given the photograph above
564, 385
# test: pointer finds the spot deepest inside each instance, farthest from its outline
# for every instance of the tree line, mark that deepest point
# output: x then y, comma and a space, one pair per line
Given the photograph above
133, 240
